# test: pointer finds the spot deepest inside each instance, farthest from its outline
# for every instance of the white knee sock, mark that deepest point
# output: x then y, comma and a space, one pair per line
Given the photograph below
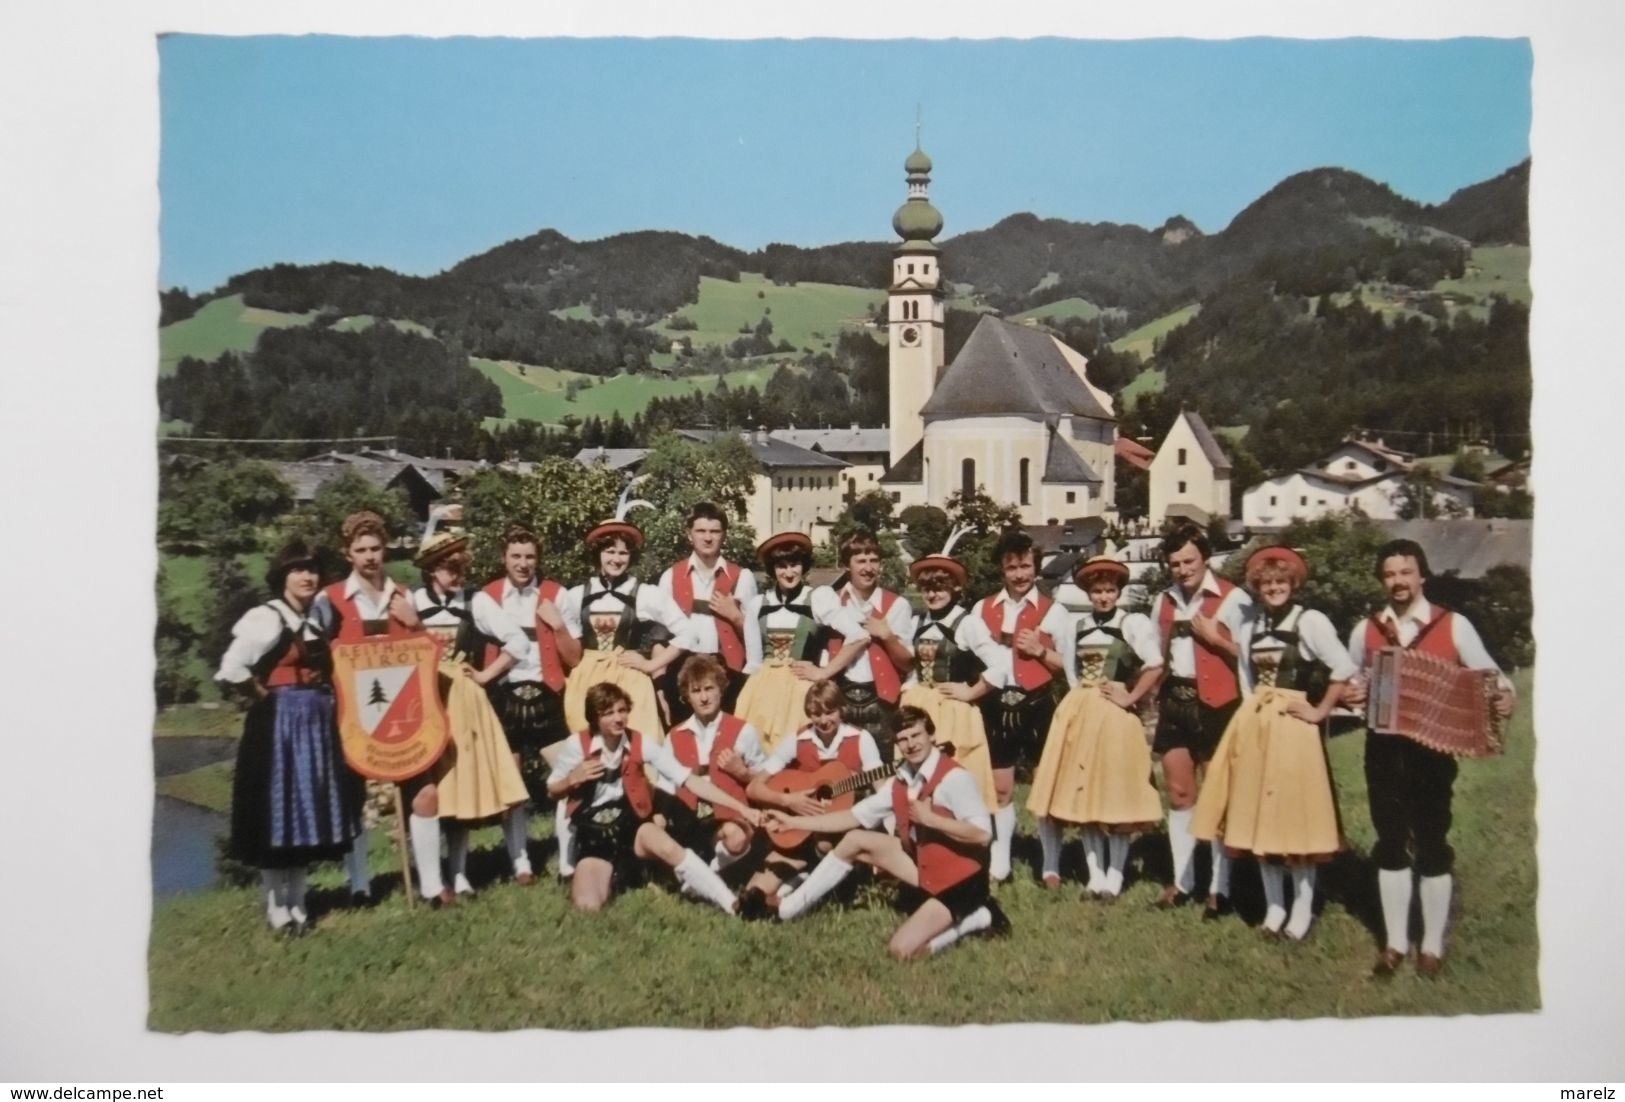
1049, 839
355, 865
1435, 893
829, 872
1394, 886
1094, 856
298, 881
1183, 845
698, 880
1274, 877
1116, 862
274, 883
1219, 883
515, 835
566, 837
457, 856
979, 919
1303, 902
724, 856
1004, 830
425, 830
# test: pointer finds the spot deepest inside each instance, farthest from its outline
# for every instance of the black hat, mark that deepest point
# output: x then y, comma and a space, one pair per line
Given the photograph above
294, 553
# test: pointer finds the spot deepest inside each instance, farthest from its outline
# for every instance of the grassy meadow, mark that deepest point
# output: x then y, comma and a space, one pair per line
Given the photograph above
224, 325
1062, 310
1143, 340
514, 957
808, 315
538, 393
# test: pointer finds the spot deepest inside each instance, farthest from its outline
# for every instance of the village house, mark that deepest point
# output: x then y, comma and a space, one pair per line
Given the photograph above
1365, 476
1190, 474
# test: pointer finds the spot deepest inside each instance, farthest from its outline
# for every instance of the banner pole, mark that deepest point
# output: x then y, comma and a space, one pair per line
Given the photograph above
400, 847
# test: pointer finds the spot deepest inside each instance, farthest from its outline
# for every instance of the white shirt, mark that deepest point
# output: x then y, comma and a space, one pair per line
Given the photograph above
999, 658
1232, 613
784, 754
748, 745
489, 618
1317, 641
520, 606
900, 616
258, 630
364, 604
827, 611
1136, 628
957, 792
970, 634
610, 787
649, 605
704, 626
1408, 624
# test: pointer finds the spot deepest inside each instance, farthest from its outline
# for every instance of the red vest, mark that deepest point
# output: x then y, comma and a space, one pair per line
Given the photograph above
1435, 638
633, 782
350, 622
1216, 683
289, 670
942, 861
888, 681
546, 646
685, 747
847, 753
728, 641
1030, 672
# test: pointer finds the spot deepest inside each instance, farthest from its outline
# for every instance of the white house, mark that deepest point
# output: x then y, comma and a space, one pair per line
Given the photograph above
1190, 474
1356, 475
865, 451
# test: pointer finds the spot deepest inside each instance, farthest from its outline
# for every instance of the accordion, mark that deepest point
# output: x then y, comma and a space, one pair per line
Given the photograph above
1434, 702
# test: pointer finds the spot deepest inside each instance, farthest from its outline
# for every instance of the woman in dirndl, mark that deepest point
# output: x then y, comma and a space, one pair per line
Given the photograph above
1268, 790
1095, 770
950, 650
293, 801
785, 626
477, 777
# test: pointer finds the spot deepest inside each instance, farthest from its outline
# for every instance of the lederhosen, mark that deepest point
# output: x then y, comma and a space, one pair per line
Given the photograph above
951, 872
949, 661
689, 819
609, 830
871, 705
532, 712
1018, 717
1192, 712
1409, 786
730, 647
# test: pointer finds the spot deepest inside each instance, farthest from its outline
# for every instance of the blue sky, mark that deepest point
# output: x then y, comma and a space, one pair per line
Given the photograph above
414, 153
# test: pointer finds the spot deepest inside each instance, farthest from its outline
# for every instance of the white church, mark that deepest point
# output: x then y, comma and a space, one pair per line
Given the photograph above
1014, 414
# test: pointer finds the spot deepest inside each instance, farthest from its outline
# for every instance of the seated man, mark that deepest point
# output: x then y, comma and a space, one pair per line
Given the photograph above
939, 851
599, 774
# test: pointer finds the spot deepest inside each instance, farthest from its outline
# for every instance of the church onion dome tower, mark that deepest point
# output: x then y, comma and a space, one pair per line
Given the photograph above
917, 221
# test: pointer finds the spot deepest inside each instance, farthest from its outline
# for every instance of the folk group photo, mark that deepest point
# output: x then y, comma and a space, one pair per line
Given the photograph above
1083, 578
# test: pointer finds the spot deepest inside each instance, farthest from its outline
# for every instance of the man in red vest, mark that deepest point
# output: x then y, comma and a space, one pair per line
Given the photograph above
1030, 648
1409, 785
530, 696
712, 593
874, 681
939, 850
1197, 619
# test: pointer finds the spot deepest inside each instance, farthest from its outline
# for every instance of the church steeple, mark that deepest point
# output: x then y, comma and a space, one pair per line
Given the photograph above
915, 310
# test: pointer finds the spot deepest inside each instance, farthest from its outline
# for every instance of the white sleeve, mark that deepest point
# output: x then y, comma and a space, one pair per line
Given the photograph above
570, 756
1317, 636
570, 602
901, 618
1141, 636
959, 794
493, 621
1357, 644
664, 584
994, 655
753, 636
874, 809
1243, 639
1236, 610
660, 758
868, 751
1470, 648
1062, 627
745, 589
653, 605
781, 757
828, 610
749, 748
252, 637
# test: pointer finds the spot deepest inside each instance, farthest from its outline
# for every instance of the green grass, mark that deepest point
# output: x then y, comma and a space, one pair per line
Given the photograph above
1492, 270
1150, 380
538, 393
197, 721
1062, 310
208, 786
808, 315
1235, 434
519, 958
1143, 340
224, 325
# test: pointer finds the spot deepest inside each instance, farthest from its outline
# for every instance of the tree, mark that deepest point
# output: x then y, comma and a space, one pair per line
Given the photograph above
221, 506
173, 642
871, 511
231, 594
1341, 551
559, 500
681, 473
320, 519
986, 519
926, 529
1499, 605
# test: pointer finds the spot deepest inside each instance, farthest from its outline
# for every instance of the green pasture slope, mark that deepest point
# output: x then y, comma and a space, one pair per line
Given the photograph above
224, 325
808, 315
1143, 340
1061, 310
1493, 270
538, 393
514, 958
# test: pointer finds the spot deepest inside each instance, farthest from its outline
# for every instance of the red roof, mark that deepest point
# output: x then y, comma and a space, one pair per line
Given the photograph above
1134, 453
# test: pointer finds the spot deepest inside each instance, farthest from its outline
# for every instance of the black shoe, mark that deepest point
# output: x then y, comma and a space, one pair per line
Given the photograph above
363, 901
1171, 897
1217, 907
1001, 921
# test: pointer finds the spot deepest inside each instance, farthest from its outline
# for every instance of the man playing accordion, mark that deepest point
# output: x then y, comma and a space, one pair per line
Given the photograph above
1410, 784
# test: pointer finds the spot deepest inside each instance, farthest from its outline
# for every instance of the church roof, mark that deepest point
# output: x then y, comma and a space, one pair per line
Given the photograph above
1005, 368
910, 468
1205, 440
1064, 464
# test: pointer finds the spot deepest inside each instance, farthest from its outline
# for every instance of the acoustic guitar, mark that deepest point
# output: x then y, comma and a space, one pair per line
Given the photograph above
832, 782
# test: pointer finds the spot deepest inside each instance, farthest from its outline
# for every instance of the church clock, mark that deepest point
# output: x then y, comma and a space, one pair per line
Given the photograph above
910, 336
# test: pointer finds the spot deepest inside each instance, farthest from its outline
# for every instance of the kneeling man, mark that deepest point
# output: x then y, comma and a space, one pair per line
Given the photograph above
939, 851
